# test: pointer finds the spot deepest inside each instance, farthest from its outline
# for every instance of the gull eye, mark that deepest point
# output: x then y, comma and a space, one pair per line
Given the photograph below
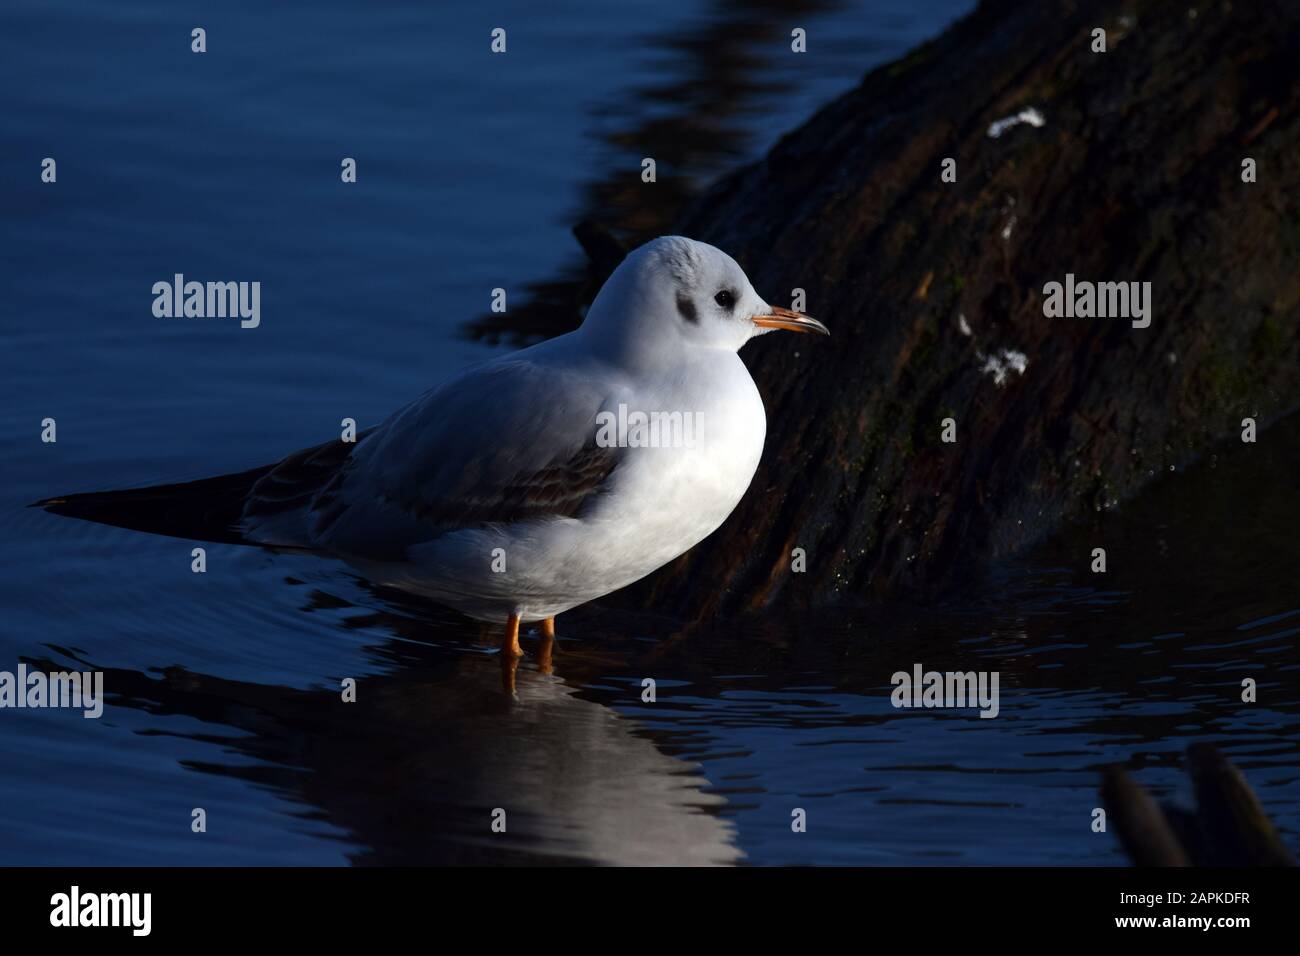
726, 298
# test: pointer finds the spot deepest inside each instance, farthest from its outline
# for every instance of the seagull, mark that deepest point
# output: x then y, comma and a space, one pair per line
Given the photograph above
533, 482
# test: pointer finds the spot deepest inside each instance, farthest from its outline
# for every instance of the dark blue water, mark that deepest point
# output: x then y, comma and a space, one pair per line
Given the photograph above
223, 687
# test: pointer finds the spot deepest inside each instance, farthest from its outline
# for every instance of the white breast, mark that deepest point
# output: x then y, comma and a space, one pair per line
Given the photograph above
662, 502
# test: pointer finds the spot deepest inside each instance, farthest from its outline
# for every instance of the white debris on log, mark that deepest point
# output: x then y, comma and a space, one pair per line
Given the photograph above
1030, 116
1004, 362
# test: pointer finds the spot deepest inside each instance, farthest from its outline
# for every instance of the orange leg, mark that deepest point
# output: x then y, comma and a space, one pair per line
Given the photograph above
509, 664
548, 643
510, 643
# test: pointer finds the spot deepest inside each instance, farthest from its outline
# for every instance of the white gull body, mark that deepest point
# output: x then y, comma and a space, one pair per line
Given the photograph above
494, 492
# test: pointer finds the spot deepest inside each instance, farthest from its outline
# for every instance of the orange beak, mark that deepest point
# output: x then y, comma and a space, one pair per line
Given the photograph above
790, 321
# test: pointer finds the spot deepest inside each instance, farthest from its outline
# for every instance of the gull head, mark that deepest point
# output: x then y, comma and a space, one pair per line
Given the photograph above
677, 290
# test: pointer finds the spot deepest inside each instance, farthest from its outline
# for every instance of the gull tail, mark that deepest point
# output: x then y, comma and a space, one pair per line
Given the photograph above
209, 509
261, 506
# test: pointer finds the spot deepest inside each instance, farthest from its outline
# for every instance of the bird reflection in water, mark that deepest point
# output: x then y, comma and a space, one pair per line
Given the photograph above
412, 771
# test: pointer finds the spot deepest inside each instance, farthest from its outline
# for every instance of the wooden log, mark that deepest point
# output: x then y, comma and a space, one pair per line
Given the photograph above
1143, 831
929, 287
1237, 830
1228, 828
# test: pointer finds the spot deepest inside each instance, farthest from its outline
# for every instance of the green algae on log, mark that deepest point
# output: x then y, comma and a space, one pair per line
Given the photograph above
934, 292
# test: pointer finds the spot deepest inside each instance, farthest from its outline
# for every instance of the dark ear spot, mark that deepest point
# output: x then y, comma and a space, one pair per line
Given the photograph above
687, 309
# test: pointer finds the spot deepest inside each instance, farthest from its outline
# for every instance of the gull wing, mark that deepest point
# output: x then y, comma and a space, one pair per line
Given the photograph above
509, 441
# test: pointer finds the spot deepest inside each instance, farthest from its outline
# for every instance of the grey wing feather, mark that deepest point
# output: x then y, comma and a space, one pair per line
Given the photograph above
296, 479
504, 442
